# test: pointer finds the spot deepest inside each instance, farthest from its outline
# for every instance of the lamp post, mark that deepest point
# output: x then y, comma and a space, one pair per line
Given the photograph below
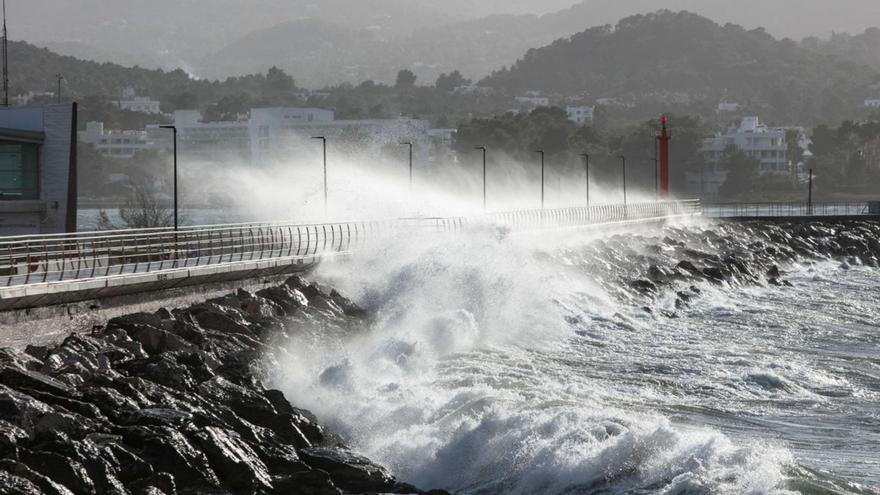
810, 195
174, 133
587, 175
60, 78
483, 149
623, 162
409, 143
324, 143
542, 176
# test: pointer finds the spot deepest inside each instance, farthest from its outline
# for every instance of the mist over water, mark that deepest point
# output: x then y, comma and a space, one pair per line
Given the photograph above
501, 363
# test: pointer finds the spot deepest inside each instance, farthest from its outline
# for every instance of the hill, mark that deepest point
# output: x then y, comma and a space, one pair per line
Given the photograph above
862, 48
682, 56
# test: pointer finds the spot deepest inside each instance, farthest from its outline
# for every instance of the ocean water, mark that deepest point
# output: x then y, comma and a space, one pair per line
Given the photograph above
522, 363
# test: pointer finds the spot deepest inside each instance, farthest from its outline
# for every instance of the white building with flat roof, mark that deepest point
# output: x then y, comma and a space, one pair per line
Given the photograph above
872, 103
118, 144
580, 114
132, 102
765, 144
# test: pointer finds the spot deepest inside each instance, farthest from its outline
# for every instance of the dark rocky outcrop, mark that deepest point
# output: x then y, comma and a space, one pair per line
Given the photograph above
173, 402
748, 253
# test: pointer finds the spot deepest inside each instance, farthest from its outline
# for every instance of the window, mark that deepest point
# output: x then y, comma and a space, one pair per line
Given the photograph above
18, 171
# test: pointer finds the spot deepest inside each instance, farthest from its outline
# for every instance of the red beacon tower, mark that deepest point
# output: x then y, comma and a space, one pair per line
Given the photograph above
664, 138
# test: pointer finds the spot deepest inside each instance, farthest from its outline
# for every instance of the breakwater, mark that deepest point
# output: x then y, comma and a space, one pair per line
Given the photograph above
174, 402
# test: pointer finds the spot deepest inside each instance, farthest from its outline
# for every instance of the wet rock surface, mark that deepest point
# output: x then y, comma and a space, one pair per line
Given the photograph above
173, 402
729, 254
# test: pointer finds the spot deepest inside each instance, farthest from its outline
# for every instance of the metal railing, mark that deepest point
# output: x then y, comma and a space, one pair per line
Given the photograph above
802, 209
65, 257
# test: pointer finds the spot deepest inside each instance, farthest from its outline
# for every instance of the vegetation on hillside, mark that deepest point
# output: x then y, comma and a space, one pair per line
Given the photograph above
682, 57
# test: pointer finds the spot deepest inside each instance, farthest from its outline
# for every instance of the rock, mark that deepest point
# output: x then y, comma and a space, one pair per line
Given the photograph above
59, 469
72, 426
349, 471
10, 436
296, 282
162, 369
45, 484
130, 467
347, 305
169, 451
235, 463
689, 267
773, 272
20, 409
288, 299
310, 482
156, 340
644, 286
159, 417
224, 322
18, 359
15, 485
19, 378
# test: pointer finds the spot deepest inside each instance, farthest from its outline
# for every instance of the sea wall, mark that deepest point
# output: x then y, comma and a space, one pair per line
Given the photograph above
173, 402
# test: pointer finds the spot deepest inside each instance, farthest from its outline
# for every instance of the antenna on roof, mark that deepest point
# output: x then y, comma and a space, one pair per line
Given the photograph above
5, 60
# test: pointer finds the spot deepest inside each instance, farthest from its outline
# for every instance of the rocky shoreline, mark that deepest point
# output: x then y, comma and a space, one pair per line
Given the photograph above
751, 254
173, 402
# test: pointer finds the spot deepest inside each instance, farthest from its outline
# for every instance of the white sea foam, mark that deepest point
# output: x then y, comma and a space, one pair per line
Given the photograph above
473, 378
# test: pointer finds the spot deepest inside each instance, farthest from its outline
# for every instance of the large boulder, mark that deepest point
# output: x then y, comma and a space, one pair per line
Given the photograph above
236, 464
352, 472
170, 451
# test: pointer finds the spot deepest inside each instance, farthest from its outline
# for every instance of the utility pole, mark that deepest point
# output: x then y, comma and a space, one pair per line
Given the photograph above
409, 143
5, 60
174, 132
324, 142
623, 162
542, 176
587, 175
483, 149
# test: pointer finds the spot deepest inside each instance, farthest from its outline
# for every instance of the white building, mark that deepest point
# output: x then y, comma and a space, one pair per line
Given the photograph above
204, 141
130, 101
729, 106
276, 134
118, 144
756, 140
533, 101
269, 135
872, 103
580, 114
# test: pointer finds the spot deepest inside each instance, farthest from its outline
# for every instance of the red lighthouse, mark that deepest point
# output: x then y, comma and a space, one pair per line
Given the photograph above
664, 138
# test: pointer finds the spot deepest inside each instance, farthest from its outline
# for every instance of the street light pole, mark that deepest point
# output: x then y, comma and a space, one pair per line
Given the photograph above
587, 175
810, 195
174, 133
483, 149
60, 78
324, 142
409, 143
542, 176
623, 162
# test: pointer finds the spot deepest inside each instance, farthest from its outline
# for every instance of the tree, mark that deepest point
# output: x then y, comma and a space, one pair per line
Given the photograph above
146, 208
448, 82
743, 174
405, 79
